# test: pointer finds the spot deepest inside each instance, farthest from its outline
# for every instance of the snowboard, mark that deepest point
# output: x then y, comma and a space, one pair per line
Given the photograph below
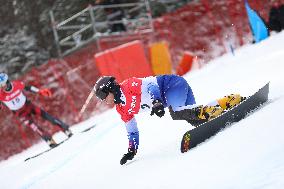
58, 144
45, 151
204, 131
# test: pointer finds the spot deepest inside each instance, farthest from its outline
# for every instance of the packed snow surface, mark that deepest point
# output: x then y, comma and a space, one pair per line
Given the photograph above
248, 154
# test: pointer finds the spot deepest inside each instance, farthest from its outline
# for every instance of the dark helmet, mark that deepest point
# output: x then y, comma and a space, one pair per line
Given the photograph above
104, 86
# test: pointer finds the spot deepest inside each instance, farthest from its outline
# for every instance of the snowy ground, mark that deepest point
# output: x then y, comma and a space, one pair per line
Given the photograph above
248, 154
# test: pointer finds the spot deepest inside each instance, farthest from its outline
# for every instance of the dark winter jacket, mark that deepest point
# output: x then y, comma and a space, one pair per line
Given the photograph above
276, 18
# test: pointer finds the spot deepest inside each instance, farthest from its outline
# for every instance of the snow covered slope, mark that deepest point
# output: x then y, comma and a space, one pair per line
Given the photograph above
249, 154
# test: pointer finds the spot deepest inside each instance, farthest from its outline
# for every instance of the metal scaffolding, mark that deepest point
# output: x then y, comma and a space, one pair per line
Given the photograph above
96, 22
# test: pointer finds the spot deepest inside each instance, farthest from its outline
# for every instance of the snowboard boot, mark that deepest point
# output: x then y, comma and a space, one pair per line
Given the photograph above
208, 112
51, 142
189, 115
68, 133
228, 102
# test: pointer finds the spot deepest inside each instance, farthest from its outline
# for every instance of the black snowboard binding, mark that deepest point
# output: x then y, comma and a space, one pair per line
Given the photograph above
197, 115
190, 115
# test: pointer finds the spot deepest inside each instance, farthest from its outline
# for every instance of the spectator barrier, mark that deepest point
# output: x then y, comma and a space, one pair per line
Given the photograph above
185, 64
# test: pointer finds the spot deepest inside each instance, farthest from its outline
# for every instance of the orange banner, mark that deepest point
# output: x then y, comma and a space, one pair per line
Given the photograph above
160, 58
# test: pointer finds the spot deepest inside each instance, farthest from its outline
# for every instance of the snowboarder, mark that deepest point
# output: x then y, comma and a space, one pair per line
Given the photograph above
11, 94
135, 95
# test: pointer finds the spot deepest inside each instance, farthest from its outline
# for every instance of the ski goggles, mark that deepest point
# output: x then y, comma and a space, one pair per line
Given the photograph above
102, 94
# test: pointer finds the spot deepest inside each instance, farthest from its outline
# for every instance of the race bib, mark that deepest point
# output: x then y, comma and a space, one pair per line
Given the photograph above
16, 103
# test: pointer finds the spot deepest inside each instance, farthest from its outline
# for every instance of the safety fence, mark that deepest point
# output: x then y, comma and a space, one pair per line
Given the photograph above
71, 80
95, 22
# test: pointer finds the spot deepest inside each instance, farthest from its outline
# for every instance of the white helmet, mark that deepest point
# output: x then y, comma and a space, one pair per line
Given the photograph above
3, 79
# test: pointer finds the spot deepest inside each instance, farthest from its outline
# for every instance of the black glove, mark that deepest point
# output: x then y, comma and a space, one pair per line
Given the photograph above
129, 156
158, 108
